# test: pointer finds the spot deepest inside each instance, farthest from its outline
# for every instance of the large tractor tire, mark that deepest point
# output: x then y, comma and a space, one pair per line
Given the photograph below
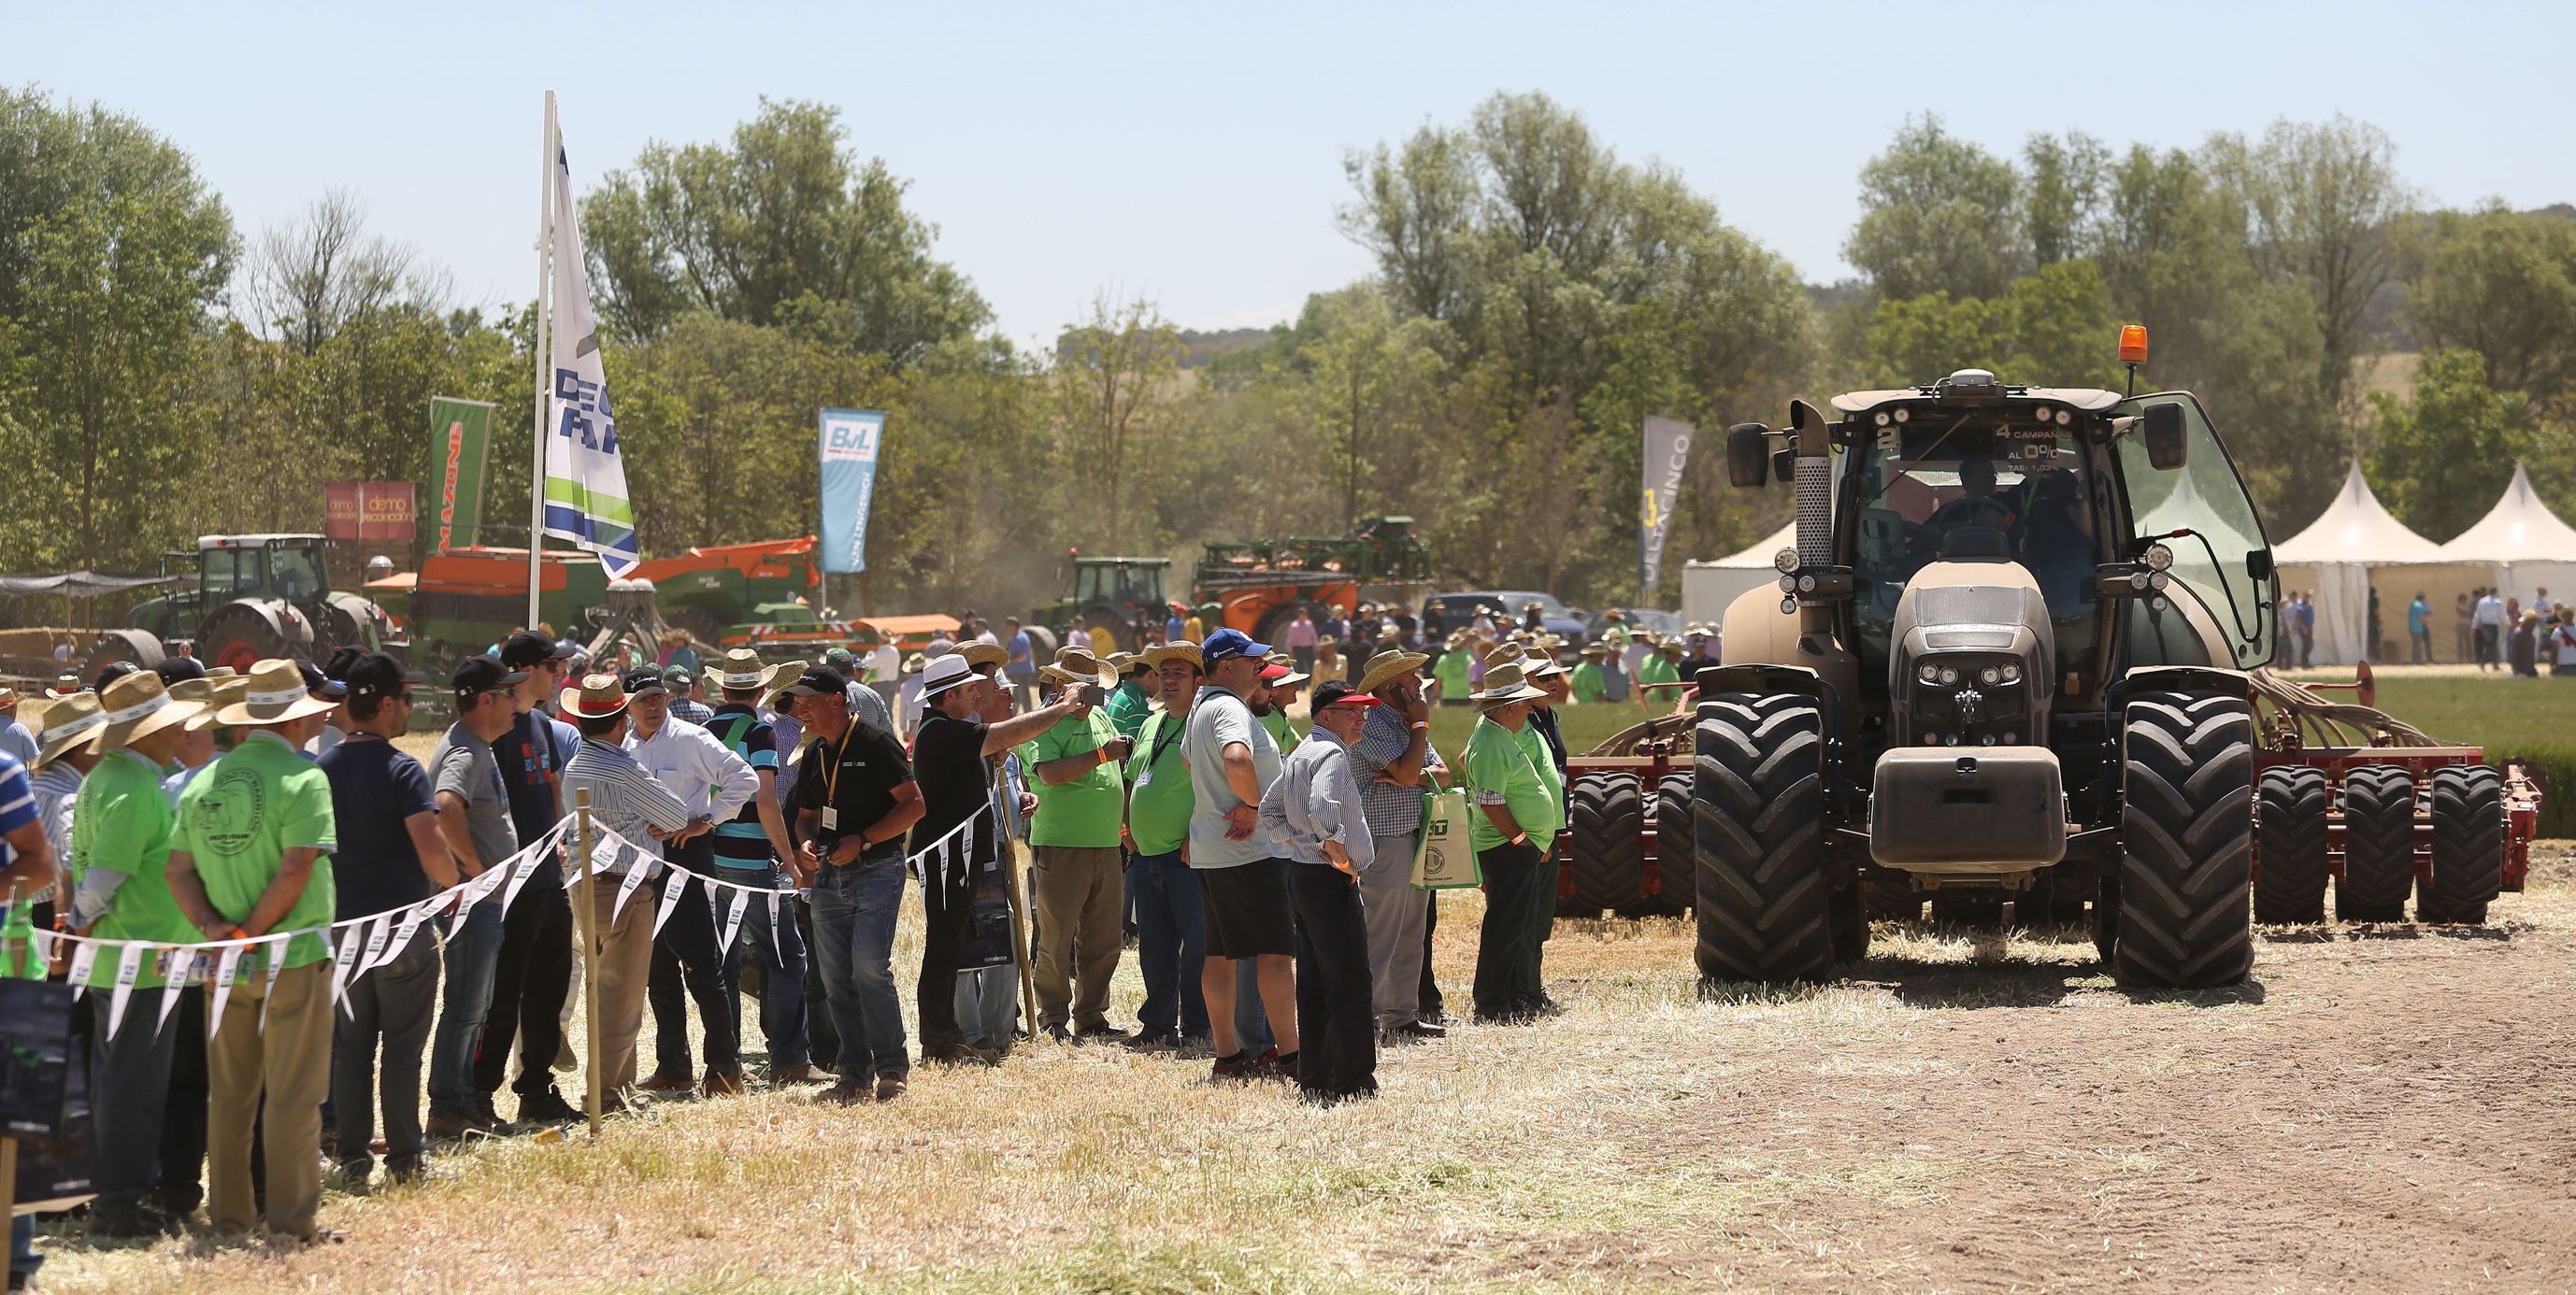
2290, 846
1110, 632
2186, 841
2468, 846
241, 636
138, 646
2378, 844
1604, 816
1890, 899
1676, 864
1764, 896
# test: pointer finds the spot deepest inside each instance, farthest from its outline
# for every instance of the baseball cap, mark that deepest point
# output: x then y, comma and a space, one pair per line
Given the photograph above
1338, 693
840, 660
1227, 644
374, 674
319, 684
945, 673
817, 681
527, 647
678, 676
172, 669
644, 679
482, 674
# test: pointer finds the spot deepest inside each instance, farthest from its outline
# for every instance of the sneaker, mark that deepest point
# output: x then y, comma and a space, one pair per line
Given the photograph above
723, 1085
1242, 1065
889, 1089
547, 1107
1151, 1040
1101, 1030
658, 1082
1415, 1032
451, 1126
804, 1074
1278, 1065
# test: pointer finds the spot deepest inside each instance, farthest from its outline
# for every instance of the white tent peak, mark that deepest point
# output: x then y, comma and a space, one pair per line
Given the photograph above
2519, 528
2356, 527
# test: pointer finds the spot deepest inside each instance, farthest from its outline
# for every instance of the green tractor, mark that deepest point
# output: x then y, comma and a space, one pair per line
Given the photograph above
256, 597
1113, 598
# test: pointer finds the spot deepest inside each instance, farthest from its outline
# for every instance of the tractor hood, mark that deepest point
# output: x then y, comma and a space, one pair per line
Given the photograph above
1970, 657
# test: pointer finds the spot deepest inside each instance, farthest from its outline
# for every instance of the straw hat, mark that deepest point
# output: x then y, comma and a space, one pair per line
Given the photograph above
984, 656
741, 669
1387, 667
1120, 663
273, 693
64, 685
912, 664
1504, 683
138, 705
1073, 665
1541, 666
73, 721
1595, 650
598, 696
1183, 650
227, 692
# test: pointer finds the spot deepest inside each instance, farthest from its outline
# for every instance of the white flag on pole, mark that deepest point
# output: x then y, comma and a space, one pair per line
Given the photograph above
585, 497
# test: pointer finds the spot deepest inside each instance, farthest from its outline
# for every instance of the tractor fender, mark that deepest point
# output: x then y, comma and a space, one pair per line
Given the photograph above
374, 627
2178, 678
291, 625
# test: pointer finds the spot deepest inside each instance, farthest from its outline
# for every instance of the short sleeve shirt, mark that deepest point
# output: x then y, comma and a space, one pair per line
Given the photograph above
463, 765
122, 822
1499, 772
1282, 733
1159, 796
1085, 812
375, 789
531, 765
241, 817
948, 762
854, 777
1219, 719
17, 810
746, 734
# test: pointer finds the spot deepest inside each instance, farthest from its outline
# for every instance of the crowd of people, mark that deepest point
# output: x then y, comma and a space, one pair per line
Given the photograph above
2490, 628
1264, 875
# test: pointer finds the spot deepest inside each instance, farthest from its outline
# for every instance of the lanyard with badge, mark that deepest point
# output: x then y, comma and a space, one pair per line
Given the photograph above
1165, 734
832, 780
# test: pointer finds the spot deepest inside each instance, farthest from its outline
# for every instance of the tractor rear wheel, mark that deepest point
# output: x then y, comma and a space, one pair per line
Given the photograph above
137, 646
240, 637
1604, 816
2378, 844
1891, 899
2186, 840
2468, 846
1110, 633
1676, 866
2290, 845
1757, 791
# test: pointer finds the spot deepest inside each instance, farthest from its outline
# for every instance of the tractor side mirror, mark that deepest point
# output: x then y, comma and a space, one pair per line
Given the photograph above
2258, 564
1748, 458
2164, 432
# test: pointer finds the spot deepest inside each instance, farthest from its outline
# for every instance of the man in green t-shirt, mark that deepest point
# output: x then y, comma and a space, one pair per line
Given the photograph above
1449, 673
251, 857
1073, 840
1171, 934
1279, 685
1516, 819
121, 835
1586, 684
1661, 666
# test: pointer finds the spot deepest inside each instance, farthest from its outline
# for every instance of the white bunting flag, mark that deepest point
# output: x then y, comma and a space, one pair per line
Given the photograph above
183, 969
402, 933
276, 956
518, 878
226, 968
360, 937
670, 902
129, 966
84, 956
734, 902
778, 918
626, 890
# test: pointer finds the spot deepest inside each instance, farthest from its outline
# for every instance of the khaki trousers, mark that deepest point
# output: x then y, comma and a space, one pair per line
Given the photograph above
291, 1059
625, 971
1078, 896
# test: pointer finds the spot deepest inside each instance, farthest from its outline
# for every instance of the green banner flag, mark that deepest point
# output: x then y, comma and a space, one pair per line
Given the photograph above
460, 431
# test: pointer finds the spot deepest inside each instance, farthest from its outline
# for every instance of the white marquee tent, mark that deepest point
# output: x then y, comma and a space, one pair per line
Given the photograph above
1708, 586
2525, 545
2356, 546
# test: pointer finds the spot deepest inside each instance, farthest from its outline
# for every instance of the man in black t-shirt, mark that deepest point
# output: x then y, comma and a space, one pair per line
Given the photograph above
532, 974
853, 798
948, 760
389, 854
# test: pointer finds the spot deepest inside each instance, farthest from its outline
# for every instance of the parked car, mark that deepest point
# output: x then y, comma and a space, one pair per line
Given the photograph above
1661, 622
1447, 612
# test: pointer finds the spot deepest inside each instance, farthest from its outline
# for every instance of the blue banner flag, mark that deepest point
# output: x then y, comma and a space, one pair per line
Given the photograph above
850, 441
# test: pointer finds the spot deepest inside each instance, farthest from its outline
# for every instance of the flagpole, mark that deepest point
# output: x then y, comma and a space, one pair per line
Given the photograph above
537, 461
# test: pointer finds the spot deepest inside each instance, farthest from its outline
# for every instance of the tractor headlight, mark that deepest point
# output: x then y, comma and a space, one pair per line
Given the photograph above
1949, 675
2138, 581
1990, 676
1788, 584
1806, 584
2012, 672
1785, 561
1928, 672
2159, 558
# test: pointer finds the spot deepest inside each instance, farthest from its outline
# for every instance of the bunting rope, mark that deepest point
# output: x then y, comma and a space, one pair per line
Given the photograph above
359, 945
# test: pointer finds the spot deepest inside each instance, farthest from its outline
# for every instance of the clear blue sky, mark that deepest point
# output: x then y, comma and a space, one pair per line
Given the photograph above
1193, 153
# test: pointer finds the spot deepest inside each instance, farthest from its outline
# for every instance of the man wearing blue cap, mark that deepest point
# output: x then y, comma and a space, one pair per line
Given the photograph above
1232, 761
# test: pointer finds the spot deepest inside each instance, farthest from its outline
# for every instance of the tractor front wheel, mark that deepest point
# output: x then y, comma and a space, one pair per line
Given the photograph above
2186, 841
2290, 846
240, 637
1765, 899
2378, 844
137, 646
2468, 846
1603, 821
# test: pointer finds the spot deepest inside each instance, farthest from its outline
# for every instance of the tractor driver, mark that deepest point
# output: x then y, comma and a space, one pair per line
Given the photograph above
1979, 506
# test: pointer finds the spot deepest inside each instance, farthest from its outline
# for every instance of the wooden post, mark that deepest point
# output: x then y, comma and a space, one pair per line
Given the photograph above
1019, 934
586, 913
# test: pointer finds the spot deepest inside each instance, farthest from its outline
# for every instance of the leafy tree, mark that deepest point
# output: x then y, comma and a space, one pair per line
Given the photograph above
1938, 214
2062, 195
2501, 284
2440, 458
1116, 377
745, 232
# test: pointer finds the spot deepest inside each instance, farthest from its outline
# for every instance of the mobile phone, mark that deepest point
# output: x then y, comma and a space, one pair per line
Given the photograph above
1093, 694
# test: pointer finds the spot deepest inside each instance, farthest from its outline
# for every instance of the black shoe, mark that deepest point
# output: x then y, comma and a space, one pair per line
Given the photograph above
1058, 1033
1150, 1040
1415, 1032
131, 1221
547, 1107
1101, 1030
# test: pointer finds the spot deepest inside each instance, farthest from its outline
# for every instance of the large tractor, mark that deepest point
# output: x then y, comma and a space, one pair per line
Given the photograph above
1114, 599
2013, 657
255, 597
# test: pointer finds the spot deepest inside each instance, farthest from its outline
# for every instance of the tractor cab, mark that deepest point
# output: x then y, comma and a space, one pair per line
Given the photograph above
1136, 582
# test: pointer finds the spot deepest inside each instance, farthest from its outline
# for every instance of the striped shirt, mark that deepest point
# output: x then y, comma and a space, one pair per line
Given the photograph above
624, 798
57, 788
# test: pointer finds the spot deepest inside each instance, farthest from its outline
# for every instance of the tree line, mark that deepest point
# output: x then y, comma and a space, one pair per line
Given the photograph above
1534, 295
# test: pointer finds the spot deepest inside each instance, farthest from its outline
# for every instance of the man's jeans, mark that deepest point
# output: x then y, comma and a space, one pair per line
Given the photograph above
473, 956
2423, 644
1396, 913
782, 970
822, 1038
854, 917
686, 966
1171, 944
988, 1004
392, 1002
130, 1096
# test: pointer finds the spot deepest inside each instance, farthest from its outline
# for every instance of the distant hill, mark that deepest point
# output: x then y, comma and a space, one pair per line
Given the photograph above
1207, 346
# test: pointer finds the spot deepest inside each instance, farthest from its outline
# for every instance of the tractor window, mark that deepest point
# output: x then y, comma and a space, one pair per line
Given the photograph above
232, 573
1930, 491
297, 574
2205, 497
1141, 585
1086, 584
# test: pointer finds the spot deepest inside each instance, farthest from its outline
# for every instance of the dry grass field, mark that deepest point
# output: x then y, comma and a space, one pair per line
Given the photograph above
2379, 1108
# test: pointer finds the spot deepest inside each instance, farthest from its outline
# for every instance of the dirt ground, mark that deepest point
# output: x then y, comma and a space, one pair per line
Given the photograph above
2377, 1109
